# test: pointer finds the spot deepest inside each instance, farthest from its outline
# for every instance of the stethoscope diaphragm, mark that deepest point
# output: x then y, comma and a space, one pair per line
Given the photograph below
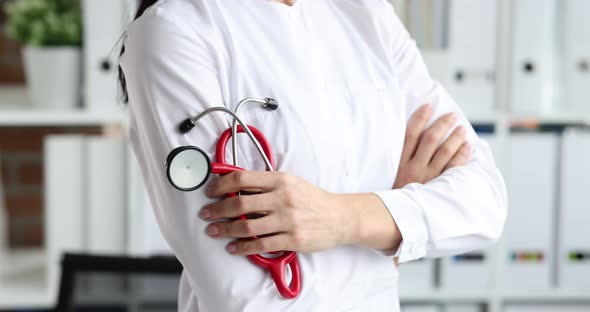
188, 168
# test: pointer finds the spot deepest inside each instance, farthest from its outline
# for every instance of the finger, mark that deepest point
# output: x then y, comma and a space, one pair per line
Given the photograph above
245, 228
243, 180
259, 246
416, 125
236, 206
445, 152
431, 138
461, 158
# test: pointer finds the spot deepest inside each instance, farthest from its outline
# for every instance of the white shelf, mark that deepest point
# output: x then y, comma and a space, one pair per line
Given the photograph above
545, 296
550, 295
557, 118
26, 290
21, 260
23, 281
445, 296
15, 110
40, 117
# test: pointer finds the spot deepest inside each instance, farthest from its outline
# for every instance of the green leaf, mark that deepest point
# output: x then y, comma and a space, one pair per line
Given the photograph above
44, 22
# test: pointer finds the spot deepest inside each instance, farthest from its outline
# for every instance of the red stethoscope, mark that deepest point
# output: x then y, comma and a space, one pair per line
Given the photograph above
188, 168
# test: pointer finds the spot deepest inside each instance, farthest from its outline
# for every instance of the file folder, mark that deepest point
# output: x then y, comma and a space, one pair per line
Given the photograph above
470, 271
472, 55
426, 21
576, 55
144, 236
437, 62
107, 189
104, 23
574, 239
64, 196
533, 45
530, 228
417, 276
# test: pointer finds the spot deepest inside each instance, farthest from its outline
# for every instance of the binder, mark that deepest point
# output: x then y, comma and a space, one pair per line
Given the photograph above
426, 21
530, 229
417, 276
104, 23
437, 62
106, 201
574, 242
576, 55
144, 236
470, 271
533, 44
472, 55
64, 196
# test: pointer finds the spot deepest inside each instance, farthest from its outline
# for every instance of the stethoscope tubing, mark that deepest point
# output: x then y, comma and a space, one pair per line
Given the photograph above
195, 119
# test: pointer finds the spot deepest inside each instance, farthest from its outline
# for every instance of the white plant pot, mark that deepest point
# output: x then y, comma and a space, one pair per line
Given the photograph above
53, 76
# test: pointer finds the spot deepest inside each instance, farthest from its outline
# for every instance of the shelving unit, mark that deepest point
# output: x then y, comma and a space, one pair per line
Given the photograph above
23, 276
40, 117
504, 122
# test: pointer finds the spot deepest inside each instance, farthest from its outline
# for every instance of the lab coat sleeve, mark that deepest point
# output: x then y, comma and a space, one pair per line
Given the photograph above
171, 75
465, 208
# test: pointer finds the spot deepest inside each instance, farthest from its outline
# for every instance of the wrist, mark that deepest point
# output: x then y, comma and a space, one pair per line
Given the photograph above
347, 215
370, 223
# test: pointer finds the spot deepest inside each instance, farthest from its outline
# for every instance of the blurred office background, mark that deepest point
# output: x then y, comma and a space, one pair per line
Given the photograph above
520, 69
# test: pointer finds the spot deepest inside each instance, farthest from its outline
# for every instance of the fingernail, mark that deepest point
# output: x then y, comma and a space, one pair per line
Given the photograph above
209, 191
231, 248
426, 106
205, 213
212, 230
211, 187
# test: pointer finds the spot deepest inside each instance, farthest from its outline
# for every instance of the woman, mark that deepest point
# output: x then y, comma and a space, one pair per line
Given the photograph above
349, 80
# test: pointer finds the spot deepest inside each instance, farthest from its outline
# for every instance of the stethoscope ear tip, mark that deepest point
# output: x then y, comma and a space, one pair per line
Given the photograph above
271, 104
186, 126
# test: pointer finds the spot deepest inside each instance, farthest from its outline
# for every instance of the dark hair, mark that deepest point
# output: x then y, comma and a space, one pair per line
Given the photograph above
143, 5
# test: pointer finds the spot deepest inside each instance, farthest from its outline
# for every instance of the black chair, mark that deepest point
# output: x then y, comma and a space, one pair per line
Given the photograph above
75, 266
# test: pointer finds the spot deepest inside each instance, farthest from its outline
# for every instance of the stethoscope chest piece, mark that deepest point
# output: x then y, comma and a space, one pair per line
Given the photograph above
188, 168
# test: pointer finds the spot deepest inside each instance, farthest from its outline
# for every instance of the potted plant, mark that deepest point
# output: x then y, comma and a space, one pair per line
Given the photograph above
50, 31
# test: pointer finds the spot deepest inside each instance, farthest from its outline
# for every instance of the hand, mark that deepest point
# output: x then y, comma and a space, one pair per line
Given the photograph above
424, 157
301, 216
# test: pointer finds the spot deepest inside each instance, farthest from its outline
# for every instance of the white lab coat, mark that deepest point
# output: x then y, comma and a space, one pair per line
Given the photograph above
347, 77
